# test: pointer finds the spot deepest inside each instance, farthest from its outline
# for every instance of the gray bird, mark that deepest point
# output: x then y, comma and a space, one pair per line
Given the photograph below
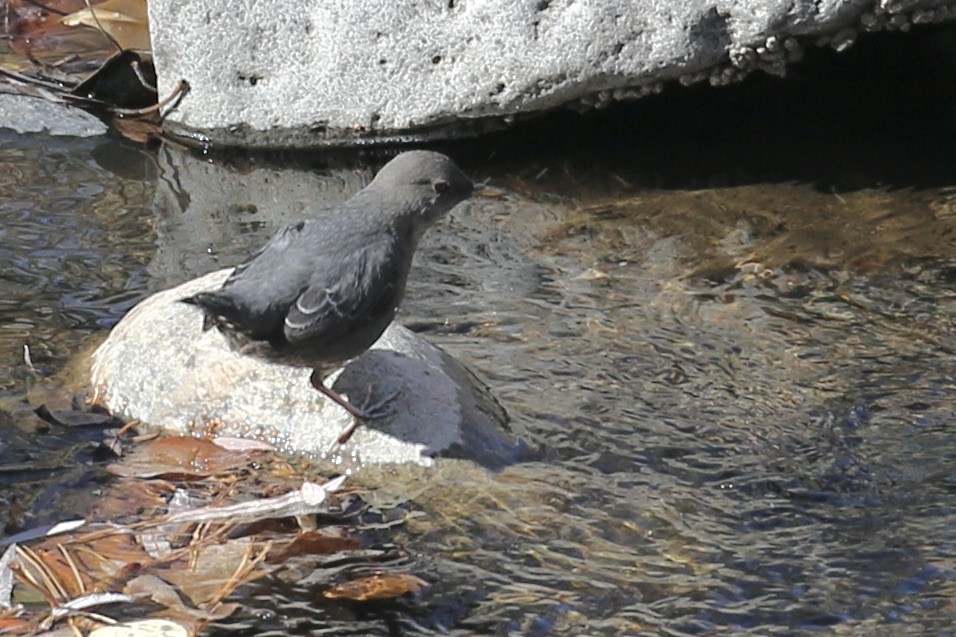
321, 291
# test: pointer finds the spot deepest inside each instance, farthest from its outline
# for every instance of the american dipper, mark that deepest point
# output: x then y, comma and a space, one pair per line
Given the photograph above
321, 291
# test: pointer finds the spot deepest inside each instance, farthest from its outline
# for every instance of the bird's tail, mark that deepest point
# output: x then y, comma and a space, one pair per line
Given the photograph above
214, 307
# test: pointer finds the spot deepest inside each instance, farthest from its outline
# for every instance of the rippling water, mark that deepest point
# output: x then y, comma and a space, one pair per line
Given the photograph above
73, 242
757, 438
743, 383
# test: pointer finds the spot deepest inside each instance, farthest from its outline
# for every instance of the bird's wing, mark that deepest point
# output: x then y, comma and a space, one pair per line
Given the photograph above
279, 242
354, 293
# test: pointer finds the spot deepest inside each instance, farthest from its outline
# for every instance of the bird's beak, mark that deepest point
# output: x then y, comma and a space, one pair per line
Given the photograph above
483, 190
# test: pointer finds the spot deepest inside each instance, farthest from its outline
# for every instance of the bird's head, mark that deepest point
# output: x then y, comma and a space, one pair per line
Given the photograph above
428, 183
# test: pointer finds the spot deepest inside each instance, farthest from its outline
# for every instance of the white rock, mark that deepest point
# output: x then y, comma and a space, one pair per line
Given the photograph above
322, 72
159, 367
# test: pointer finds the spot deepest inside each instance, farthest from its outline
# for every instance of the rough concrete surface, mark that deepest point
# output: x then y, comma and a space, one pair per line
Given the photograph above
274, 73
158, 366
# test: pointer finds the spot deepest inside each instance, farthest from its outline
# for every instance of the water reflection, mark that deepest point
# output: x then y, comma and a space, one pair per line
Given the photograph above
744, 394
733, 451
75, 238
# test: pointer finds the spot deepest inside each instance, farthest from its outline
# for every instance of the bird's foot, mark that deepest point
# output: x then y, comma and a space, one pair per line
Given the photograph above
369, 410
379, 408
365, 411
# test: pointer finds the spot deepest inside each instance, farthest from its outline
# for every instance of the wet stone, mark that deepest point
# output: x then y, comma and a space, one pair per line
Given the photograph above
32, 115
158, 366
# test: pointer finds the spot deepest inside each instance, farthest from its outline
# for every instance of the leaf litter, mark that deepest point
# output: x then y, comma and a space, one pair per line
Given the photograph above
183, 525
92, 55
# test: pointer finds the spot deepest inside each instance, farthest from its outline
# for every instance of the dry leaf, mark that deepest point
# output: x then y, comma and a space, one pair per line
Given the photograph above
141, 130
316, 543
166, 595
76, 569
213, 569
71, 417
156, 590
133, 498
14, 626
377, 586
180, 456
124, 20
192, 453
189, 580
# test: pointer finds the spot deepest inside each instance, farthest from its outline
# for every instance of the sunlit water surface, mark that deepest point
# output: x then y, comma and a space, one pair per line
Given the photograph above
743, 388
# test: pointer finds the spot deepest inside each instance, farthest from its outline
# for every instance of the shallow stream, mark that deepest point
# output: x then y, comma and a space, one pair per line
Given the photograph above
733, 341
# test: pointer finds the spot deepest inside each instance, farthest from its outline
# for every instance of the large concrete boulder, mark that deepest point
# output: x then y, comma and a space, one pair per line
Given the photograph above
275, 73
159, 367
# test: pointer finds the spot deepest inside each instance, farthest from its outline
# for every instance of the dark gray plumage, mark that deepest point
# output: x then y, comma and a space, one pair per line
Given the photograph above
321, 291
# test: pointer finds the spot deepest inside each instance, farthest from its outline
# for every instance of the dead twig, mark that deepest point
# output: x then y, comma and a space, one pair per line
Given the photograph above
123, 431
178, 93
241, 573
35, 81
80, 585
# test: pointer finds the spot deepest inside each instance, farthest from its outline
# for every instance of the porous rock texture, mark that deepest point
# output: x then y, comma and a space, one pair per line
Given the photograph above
326, 72
159, 367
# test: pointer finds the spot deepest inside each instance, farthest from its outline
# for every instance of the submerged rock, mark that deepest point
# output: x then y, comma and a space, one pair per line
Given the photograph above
159, 367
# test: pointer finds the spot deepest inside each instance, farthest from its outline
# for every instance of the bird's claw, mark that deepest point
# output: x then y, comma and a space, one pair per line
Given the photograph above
380, 408
369, 410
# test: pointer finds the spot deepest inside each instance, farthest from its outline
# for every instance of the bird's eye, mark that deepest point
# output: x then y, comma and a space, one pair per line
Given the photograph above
441, 186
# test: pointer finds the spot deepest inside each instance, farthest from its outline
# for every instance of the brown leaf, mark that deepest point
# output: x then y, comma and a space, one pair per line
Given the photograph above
40, 37
166, 595
119, 549
189, 452
77, 566
156, 590
71, 417
132, 498
123, 20
316, 543
377, 586
140, 130
212, 569
58, 577
183, 456
14, 626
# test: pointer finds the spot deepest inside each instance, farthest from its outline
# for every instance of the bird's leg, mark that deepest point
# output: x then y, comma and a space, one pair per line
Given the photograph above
378, 409
368, 410
358, 416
